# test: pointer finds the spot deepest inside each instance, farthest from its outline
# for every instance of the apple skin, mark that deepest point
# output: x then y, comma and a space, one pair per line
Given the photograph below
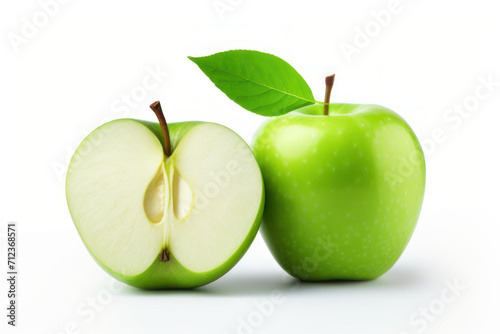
171, 274
343, 191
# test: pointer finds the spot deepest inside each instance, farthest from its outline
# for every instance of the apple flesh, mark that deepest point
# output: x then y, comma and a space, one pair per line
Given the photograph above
156, 222
343, 190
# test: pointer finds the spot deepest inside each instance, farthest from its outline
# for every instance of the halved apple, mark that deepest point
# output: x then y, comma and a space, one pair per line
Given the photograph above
155, 220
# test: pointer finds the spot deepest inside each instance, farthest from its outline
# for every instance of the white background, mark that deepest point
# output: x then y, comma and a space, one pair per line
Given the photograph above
63, 81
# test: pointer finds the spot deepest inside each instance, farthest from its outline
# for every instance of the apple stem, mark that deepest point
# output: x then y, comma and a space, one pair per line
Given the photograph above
328, 91
156, 106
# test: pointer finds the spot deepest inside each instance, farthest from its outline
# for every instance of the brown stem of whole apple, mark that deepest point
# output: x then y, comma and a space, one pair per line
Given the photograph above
328, 91
156, 106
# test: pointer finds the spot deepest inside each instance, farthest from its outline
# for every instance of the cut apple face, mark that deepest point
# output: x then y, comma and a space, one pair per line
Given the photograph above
177, 221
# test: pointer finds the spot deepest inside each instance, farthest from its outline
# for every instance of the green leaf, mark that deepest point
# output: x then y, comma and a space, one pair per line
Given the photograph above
257, 81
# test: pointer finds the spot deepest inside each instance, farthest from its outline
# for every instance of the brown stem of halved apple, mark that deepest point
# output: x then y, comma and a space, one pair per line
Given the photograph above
156, 106
328, 91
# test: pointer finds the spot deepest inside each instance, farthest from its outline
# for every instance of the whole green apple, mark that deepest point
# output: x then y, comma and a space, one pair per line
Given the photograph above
344, 182
344, 187
165, 206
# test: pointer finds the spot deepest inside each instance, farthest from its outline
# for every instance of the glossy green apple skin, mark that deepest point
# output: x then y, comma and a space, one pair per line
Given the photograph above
343, 191
171, 274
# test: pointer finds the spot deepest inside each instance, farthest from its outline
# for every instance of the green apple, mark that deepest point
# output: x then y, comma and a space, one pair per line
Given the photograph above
165, 207
344, 188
